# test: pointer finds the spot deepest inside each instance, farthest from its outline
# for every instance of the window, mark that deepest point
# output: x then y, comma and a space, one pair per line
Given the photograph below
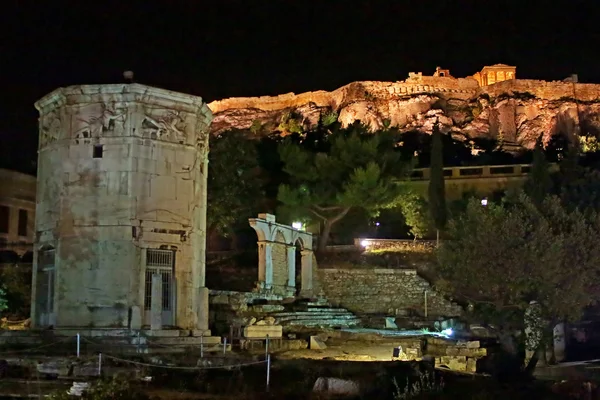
4, 218
98, 150
22, 222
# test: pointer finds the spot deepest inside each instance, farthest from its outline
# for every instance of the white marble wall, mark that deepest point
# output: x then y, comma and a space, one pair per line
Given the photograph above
100, 212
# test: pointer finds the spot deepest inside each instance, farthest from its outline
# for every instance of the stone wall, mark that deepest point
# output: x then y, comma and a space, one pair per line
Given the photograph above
383, 291
398, 245
280, 264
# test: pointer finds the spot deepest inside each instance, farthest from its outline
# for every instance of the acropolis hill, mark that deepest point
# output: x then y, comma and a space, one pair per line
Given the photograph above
489, 104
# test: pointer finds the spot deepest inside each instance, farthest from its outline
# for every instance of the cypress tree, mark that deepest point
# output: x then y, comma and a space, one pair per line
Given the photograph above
539, 183
437, 190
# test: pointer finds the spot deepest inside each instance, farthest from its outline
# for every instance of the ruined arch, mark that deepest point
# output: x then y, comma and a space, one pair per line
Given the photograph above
277, 257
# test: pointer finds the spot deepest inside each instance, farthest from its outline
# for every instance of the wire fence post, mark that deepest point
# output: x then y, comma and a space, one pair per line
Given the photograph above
268, 370
224, 345
99, 364
202, 346
267, 346
78, 343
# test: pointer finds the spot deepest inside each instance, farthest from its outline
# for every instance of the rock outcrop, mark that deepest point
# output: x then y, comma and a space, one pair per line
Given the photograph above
514, 111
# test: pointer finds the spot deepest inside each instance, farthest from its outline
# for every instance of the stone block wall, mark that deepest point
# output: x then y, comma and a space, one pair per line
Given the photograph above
383, 291
280, 265
397, 245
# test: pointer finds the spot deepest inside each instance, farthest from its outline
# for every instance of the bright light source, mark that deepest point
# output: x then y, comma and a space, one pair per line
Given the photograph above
364, 243
377, 224
297, 225
484, 202
447, 332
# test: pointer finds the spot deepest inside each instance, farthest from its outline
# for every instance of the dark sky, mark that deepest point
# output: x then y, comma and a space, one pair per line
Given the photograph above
225, 48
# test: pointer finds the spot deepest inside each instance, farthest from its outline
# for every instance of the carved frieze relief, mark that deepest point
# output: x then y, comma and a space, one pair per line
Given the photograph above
168, 125
50, 126
98, 120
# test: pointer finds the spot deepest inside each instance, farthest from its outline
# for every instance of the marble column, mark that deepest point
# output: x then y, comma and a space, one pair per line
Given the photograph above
307, 274
291, 262
265, 264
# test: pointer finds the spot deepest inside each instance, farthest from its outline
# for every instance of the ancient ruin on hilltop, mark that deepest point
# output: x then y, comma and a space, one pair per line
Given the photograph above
492, 103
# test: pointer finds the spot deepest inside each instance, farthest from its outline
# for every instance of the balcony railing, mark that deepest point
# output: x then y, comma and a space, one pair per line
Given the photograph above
478, 172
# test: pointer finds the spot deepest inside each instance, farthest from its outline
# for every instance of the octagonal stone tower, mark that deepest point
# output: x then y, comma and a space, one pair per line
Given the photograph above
121, 209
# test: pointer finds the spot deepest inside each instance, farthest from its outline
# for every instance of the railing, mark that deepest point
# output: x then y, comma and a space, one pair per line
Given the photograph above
479, 172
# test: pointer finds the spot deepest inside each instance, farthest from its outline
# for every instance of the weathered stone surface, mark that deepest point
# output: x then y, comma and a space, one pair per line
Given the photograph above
515, 110
390, 323
317, 344
267, 308
122, 172
336, 387
262, 331
376, 291
266, 321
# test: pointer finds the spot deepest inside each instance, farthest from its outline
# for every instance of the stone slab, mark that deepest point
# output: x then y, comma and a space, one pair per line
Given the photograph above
317, 344
262, 331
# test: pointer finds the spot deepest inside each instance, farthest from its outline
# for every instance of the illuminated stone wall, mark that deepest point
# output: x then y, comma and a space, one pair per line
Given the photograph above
383, 291
121, 169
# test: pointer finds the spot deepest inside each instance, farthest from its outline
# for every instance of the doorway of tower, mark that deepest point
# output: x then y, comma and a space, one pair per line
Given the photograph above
161, 262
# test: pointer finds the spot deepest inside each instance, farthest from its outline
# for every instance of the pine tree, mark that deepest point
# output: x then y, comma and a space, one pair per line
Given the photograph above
437, 190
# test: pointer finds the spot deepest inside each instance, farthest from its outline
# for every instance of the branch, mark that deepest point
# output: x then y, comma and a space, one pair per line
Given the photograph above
339, 216
317, 214
327, 208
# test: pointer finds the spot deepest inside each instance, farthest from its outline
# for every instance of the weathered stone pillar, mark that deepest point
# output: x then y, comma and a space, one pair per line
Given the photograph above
291, 262
156, 303
203, 311
265, 264
307, 274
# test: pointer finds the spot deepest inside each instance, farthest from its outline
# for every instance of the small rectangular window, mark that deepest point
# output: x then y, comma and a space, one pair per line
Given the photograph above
4, 219
98, 150
22, 222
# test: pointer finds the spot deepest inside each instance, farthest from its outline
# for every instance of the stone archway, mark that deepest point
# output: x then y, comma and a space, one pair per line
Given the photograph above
277, 257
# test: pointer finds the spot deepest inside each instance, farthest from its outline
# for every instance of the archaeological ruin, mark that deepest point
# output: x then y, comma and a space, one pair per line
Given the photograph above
121, 209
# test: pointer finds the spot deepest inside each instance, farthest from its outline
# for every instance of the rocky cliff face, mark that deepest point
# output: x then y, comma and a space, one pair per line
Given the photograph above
514, 112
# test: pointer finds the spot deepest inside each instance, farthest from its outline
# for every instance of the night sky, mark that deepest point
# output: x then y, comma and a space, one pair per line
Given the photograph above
228, 48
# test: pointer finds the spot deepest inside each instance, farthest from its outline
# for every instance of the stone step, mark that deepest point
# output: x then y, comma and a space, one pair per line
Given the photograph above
284, 320
311, 313
330, 323
186, 340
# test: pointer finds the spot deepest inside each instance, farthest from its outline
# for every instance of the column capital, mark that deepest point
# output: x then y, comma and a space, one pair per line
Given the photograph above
306, 252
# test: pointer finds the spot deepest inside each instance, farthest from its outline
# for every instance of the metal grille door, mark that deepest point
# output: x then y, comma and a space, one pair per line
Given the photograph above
160, 262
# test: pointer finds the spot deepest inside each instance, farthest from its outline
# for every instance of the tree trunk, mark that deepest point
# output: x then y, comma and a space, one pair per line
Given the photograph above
327, 225
324, 238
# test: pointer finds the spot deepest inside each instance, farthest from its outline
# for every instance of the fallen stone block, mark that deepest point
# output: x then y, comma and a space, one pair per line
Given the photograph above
55, 368
317, 344
266, 321
390, 323
336, 387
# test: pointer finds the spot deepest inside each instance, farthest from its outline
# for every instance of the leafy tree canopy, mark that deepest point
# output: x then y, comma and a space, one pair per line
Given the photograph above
331, 173
235, 181
503, 256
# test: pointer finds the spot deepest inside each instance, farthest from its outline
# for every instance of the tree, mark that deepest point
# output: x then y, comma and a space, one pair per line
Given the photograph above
501, 257
235, 181
437, 190
329, 174
539, 182
416, 214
